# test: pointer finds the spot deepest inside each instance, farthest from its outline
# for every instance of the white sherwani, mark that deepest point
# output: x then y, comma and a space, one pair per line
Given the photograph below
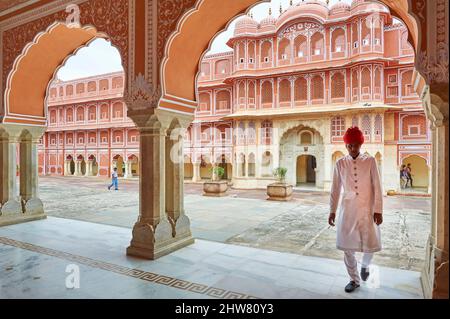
362, 197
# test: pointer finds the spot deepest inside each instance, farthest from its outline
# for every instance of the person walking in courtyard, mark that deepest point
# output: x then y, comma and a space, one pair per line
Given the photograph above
403, 177
408, 175
115, 180
361, 207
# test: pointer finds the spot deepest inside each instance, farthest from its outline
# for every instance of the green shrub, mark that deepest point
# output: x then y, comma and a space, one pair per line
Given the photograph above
280, 173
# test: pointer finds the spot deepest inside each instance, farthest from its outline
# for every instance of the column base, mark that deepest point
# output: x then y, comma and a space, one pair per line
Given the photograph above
22, 218
34, 206
151, 244
11, 208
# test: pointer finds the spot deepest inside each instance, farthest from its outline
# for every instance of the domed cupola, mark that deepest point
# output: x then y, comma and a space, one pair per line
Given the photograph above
245, 24
268, 22
339, 7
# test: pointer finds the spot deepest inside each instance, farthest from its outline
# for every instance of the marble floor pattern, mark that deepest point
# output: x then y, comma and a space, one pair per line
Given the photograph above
37, 258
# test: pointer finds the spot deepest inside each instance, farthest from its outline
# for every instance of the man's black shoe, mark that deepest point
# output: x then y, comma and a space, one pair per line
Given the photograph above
364, 273
351, 286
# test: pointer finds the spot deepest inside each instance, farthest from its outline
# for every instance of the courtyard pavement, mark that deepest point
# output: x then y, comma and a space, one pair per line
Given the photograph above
246, 218
63, 258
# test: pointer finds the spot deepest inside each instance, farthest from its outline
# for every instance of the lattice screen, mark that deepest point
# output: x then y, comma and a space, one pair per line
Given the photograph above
378, 125
337, 86
365, 125
266, 92
285, 91
301, 89
337, 126
317, 87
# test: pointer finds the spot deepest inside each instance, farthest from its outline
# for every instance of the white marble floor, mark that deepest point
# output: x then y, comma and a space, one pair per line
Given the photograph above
37, 260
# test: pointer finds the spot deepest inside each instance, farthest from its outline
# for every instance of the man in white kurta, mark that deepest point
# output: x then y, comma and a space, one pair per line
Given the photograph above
356, 178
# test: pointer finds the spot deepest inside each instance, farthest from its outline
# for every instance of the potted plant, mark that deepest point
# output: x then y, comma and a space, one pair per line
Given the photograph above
280, 190
216, 187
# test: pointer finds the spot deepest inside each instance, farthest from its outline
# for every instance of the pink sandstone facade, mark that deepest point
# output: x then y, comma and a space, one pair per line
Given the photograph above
88, 130
283, 96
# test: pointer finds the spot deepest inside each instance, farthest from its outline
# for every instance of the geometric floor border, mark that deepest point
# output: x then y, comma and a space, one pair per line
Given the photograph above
131, 272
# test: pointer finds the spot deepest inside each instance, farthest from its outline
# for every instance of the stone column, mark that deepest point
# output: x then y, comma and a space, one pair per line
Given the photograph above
128, 173
10, 207
196, 172
67, 168
175, 186
77, 171
88, 168
152, 233
31, 203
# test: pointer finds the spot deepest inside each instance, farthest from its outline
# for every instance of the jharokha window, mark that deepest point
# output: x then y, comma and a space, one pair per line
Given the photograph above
337, 126
266, 132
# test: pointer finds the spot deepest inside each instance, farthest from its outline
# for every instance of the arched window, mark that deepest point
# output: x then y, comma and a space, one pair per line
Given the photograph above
365, 33
337, 126
117, 110
223, 100
104, 112
317, 44
301, 46
251, 52
241, 53
103, 85
266, 132
205, 102
92, 86
338, 40
266, 164
251, 165
69, 115
406, 83
301, 89
378, 129
117, 82
366, 83
92, 113
251, 94
251, 133
80, 88
366, 127
69, 89
80, 113
284, 50
377, 29
266, 52
222, 67
337, 85
204, 70
355, 85
355, 37
241, 94
266, 93
377, 82
305, 138
285, 91
241, 133
317, 88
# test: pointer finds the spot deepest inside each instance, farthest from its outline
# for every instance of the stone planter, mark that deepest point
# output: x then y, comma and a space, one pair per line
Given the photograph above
279, 191
215, 189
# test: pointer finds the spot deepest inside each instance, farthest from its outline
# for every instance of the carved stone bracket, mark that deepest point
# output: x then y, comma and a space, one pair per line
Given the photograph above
141, 94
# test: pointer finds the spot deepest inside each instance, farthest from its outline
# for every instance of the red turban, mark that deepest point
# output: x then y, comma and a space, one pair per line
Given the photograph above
353, 136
